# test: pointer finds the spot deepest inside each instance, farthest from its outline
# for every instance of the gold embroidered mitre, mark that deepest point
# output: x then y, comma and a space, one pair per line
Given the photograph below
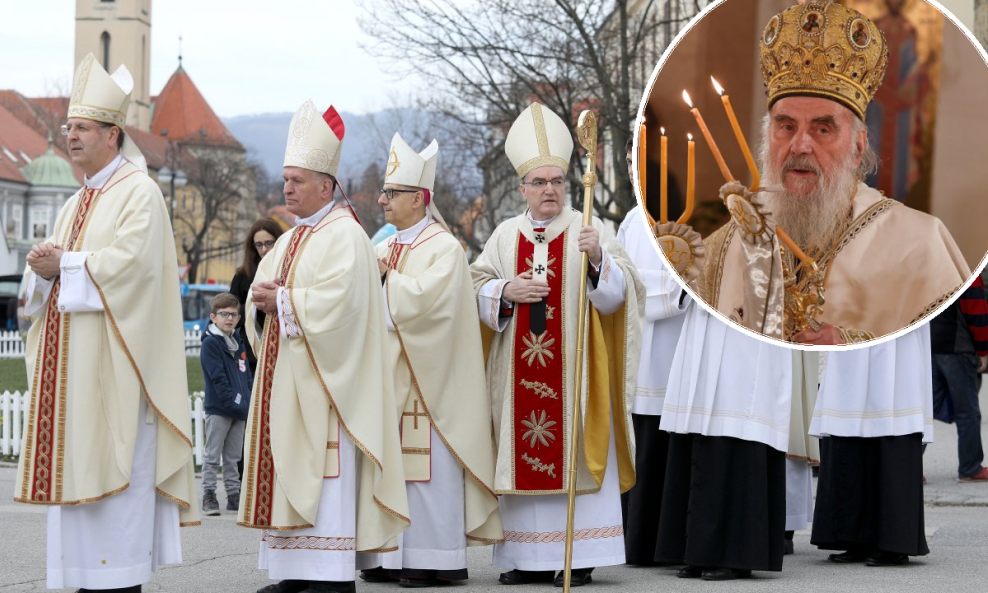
823, 50
98, 96
315, 141
538, 138
407, 167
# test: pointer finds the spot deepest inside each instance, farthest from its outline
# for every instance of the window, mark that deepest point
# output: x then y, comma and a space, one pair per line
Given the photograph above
39, 223
15, 227
105, 44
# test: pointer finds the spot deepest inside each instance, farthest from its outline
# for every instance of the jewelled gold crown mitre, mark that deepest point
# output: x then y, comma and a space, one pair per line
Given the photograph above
823, 50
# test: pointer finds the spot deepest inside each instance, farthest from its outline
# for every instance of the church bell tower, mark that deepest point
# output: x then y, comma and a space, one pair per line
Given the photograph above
119, 32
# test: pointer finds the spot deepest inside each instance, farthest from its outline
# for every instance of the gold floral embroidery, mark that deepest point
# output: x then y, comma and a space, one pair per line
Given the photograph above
541, 389
539, 429
538, 466
550, 312
538, 348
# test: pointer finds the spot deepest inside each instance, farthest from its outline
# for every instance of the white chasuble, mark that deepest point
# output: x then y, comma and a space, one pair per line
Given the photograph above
323, 356
436, 358
724, 383
530, 375
89, 370
879, 391
889, 269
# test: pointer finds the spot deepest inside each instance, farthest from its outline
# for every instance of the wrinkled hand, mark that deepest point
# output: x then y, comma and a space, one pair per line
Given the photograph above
589, 241
382, 265
45, 260
265, 297
827, 336
523, 289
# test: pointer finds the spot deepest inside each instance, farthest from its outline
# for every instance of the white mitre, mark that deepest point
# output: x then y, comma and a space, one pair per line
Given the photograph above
538, 138
415, 169
315, 142
407, 167
100, 97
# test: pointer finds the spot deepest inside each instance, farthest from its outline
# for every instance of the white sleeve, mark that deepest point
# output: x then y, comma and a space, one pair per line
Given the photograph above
78, 294
489, 305
286, 314
388, 321
36, 295
662, 295
609, 293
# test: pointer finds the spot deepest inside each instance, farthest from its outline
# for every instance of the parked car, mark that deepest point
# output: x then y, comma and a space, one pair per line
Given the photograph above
195, 304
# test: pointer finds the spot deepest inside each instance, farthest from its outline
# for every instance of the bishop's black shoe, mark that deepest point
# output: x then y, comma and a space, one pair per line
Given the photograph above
887, 559
288, 586
525, 577
578, 578
724, 574
689, 572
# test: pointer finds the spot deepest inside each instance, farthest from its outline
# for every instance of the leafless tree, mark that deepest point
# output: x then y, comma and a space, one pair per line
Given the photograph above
484, 62
213, 209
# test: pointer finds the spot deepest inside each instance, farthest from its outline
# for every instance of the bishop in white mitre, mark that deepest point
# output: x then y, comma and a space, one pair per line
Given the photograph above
323, 474
527, 282
435, 356
107, 447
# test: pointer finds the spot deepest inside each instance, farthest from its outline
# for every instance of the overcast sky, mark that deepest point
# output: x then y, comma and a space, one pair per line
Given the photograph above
246, 56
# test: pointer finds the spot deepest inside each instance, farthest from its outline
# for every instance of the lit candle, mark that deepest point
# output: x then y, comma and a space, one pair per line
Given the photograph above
690, 180
664, 179
710, 141
755, 175
784, 236
642, 162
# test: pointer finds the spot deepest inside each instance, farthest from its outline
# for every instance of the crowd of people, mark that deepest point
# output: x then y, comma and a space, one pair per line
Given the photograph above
393, 406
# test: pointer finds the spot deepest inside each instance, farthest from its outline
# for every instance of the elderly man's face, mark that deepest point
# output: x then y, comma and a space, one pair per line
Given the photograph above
808, 138
544, 189
306, 192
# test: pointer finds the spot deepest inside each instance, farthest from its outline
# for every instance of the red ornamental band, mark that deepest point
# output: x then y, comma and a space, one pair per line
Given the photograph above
43, 486
262, 476
539, 407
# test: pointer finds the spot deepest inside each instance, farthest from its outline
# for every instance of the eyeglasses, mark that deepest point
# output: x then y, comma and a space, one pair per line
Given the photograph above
81, 129
557, 183
389, 194
228, 315
263, 245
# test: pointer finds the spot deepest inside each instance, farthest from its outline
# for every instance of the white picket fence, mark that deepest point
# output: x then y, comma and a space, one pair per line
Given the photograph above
13, 416
12, 346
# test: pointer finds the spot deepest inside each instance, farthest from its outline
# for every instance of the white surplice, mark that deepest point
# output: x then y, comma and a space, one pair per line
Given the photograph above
724, 383
883, 390
664, 313
799, 494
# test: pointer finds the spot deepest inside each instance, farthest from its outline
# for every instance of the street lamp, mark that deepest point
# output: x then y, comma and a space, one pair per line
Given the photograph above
173, 179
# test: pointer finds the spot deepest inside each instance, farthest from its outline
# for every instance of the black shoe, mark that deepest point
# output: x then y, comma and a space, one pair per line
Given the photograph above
377, 575
724, 574
210, 506
788, 548
288, 586
419, 583
848, 557
133, 589
525, 577
233, 501
578, 577
887, 559
689, 572
331, 587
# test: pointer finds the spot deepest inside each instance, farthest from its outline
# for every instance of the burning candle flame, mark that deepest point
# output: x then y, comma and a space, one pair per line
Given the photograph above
686, 97
717, 87
689, 136
663, 130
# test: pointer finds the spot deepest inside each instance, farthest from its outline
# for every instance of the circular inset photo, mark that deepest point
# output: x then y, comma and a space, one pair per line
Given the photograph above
835, 168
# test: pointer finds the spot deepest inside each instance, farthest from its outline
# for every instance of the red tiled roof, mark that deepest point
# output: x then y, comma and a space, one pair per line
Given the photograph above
17, 135
181, 114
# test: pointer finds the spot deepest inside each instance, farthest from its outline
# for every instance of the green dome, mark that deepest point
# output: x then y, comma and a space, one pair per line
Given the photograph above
50, 170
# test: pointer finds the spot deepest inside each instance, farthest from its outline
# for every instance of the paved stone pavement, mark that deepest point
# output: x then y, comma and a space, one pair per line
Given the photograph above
221, 557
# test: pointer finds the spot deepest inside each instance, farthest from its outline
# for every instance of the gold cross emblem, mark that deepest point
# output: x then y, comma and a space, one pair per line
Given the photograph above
415, 414
393, 163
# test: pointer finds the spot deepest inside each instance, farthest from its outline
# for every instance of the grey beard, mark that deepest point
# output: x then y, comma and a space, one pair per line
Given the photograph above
813, 220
